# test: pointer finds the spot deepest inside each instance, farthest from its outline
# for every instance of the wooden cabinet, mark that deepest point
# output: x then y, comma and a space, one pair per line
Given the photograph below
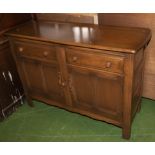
98, 78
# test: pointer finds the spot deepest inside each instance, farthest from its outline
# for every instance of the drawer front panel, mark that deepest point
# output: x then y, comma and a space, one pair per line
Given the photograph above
36, 51
98, 61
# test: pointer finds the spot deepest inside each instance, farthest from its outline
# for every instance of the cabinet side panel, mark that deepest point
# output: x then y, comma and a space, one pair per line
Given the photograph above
138, 80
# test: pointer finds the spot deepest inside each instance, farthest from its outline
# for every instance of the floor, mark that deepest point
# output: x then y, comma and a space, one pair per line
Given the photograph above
48, 123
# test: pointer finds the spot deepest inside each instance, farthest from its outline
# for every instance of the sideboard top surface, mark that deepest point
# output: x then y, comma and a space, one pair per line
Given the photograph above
122, 39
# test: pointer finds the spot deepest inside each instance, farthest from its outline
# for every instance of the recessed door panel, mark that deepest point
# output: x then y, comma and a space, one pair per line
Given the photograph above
52, 76
96, 91
33, 74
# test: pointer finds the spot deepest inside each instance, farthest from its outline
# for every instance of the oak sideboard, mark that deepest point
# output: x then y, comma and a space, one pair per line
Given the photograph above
93, 70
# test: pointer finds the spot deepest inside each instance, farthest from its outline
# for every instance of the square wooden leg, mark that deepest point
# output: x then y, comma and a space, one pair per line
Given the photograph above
126, 132
29, 101
139, 107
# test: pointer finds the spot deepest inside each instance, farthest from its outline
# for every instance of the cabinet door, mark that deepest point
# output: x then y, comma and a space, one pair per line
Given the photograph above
32, 73
42, 80
53, 81
96, 91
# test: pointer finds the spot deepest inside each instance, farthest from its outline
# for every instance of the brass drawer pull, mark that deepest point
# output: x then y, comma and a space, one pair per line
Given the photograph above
74, 59
45, 53
21, 49
108, 65
63, 84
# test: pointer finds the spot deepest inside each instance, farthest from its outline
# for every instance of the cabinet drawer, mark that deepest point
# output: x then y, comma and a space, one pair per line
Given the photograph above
99, 61
35, 50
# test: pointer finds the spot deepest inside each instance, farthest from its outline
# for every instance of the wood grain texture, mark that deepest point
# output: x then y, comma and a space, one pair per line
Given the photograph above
138, 20
66, 17
9, 20
86, 58
83, 76
122, 39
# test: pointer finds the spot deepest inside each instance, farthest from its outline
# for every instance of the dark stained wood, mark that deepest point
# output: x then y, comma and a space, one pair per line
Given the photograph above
138, 20
8, 20
121, 39
90, 91
64, 77
44, 52
11, 91
92, 74
86, 58
66, 17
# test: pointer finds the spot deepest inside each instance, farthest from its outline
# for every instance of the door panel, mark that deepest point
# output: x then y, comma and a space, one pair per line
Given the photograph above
81, 87
96, 91
43, 80
108, 94
33, 74
52, 78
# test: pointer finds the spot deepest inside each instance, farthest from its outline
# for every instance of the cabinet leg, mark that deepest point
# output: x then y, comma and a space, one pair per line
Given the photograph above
139, 107
29, 101
126, 132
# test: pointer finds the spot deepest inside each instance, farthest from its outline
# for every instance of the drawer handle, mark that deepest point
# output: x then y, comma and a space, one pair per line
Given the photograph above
108, 65
74, 59
45, 53
63, 84
21, 49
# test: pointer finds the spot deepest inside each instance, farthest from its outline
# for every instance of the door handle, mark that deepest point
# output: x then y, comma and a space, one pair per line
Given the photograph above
61, 82
21, 49
59, 78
